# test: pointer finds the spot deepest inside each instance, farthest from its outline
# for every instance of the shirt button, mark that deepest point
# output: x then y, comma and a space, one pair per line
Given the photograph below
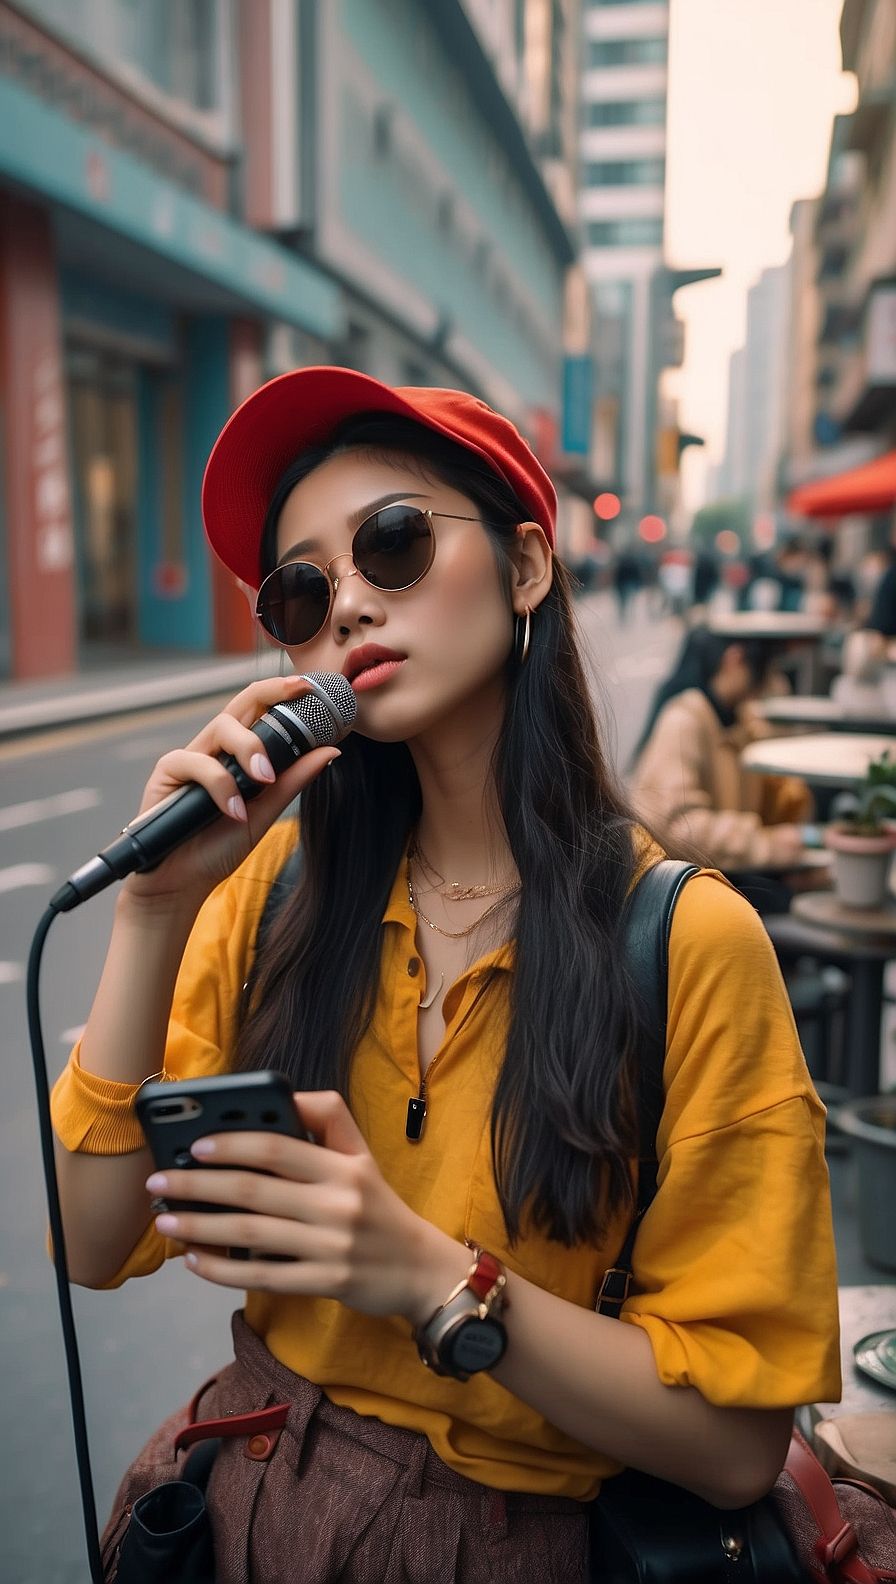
414, 967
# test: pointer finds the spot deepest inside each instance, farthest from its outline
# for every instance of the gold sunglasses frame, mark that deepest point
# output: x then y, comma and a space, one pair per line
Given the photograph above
334, 581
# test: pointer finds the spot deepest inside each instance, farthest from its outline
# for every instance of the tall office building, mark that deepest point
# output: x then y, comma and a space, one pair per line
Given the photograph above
622, 195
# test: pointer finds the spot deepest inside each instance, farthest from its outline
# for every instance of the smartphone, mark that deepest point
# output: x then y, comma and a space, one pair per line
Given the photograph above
174, 1115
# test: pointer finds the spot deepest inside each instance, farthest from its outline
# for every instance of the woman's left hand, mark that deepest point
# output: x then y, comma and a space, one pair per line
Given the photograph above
339, 1229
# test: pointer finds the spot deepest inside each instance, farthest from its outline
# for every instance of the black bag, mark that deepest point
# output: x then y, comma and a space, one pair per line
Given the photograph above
169, 1536
644, 1531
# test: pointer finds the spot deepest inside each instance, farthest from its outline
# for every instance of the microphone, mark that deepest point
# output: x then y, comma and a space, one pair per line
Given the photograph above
318, 719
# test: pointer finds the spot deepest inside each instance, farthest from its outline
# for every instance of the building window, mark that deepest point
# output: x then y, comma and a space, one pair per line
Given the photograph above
627, 112
628, 52
639, 231
625, 173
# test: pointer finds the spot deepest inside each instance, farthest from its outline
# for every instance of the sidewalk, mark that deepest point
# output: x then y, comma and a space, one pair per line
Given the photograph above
119, 689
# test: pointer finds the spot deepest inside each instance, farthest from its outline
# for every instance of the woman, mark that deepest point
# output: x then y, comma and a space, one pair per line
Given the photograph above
454, 940
688, 781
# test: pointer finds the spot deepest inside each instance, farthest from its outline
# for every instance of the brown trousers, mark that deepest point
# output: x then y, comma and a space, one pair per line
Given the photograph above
338, 1497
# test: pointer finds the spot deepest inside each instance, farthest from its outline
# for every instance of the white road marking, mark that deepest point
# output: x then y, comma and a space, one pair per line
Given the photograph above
26, 874
49, 808
71, 1036
11, 973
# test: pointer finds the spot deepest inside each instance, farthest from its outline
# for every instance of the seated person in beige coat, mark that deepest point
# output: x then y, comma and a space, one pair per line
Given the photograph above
688, 782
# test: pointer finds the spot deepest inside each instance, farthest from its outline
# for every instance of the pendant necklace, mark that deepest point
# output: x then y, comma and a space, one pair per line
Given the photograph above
416, 1116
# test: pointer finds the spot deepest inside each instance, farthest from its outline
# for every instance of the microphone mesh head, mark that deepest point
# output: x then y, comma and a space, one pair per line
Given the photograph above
328, 712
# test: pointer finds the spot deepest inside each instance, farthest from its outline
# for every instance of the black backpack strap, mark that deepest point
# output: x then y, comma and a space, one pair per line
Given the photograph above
283, 885
647, 925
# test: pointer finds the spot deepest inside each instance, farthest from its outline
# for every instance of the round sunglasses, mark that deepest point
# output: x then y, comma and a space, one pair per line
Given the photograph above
393, 549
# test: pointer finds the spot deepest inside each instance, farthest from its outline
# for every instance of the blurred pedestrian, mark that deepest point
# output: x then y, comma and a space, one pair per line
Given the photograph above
675, 581
790, 566
628, 580
882, 615
707, 576
446, 987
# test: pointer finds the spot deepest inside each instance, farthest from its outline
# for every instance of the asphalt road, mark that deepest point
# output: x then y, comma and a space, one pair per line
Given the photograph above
145, 1347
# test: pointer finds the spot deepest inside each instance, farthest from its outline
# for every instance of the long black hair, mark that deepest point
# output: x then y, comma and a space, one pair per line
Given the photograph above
563, 1114
698, 661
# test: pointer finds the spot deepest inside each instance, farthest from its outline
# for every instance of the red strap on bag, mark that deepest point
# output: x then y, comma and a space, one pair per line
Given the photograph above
837, 1544
273, 1418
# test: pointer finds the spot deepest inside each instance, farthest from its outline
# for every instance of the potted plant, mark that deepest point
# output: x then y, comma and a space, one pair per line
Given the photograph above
862, 838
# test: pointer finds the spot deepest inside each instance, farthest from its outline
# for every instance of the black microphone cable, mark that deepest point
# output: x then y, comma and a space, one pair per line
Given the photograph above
60, 1260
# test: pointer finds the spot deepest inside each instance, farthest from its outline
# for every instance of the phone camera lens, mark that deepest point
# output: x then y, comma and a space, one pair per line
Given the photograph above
183, 1158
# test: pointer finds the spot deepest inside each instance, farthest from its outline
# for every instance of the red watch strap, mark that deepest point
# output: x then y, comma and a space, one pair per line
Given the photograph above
485, 1271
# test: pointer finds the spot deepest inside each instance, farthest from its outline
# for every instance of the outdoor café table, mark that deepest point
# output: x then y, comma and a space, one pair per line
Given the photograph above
862, 1310
831, 759
769, 624
873, 931
786, 626
808, 709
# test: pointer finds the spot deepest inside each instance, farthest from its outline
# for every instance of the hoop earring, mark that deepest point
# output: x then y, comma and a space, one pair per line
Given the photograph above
521, 637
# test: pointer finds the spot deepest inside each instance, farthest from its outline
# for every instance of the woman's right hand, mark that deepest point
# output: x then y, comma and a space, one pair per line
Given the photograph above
192, 871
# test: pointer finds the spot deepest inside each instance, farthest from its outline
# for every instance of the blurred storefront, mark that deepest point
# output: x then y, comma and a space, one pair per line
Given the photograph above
197, 194
129, 297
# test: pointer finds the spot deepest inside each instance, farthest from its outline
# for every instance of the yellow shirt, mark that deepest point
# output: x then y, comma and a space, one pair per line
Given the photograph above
734, 1263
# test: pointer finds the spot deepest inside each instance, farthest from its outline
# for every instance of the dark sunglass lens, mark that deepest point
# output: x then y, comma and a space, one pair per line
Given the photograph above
393, 548
293, 602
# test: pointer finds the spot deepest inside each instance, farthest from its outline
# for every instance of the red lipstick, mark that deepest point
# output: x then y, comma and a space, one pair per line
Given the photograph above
371, 664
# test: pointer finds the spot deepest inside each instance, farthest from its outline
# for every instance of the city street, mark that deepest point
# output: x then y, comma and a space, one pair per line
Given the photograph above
145, 1347
619, 274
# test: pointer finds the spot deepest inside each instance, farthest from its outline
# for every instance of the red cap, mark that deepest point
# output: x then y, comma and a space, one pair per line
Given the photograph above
301, 409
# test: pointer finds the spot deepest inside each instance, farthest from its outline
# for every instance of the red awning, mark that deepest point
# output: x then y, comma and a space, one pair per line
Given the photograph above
869, 488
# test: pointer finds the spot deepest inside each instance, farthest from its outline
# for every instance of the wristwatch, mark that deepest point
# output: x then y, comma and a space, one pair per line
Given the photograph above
465, 1334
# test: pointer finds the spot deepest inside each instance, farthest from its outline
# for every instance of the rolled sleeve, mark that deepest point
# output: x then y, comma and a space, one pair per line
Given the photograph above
95, 1116
737, 1293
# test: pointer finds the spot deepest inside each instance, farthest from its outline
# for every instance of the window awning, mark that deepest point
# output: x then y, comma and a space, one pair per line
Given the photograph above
869, 488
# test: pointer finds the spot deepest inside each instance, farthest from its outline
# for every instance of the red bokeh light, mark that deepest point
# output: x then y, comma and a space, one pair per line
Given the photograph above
652, 529
727, 541
607, 506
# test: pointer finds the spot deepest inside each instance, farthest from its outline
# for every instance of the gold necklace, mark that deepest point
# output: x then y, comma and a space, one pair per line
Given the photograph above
456, 892
457, 934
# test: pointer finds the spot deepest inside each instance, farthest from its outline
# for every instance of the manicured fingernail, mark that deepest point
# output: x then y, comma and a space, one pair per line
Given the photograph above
236, 808
203, 1147
157, 1183
192, 1260
166, 1223
261, 768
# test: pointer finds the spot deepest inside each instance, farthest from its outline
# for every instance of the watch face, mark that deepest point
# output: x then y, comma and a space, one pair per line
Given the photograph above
476, 1345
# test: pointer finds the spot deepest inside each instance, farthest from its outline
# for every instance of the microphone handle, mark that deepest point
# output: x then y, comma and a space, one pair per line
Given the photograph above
150, 838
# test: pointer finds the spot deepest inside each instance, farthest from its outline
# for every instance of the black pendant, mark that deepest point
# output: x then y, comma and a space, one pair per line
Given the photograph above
416, 1118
